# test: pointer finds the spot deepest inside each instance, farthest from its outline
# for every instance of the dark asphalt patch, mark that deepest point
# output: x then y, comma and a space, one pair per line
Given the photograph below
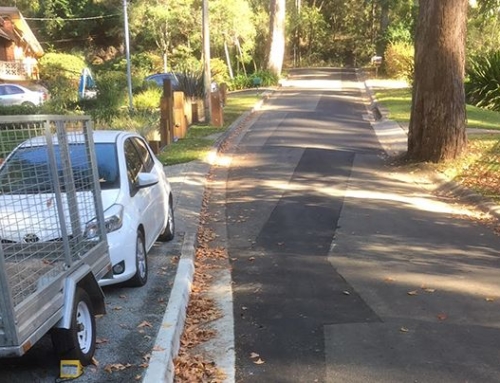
285, 289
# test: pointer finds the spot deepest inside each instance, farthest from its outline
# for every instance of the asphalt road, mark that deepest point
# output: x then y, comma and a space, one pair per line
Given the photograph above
344, 269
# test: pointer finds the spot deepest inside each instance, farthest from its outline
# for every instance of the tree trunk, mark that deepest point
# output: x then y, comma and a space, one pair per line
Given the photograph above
438, 116
277, 34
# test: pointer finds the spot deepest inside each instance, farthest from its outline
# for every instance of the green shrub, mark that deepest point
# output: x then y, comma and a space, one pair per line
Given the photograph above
144, 122
219, 71
63, 94
398, 61
263, 78
111, 96
61, 74
19, 110
240, 82
192, 84
267, 78
148, 99
482, 87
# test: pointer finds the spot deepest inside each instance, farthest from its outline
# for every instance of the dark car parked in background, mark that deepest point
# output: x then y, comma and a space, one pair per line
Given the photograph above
159, 77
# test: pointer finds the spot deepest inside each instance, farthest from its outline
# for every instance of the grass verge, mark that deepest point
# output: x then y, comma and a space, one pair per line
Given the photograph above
479, 166
200, 138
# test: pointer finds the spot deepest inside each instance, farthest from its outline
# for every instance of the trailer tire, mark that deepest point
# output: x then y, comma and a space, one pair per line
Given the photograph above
79, 341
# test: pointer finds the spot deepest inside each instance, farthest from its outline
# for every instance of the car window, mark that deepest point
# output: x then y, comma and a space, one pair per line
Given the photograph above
2, 90
146, 157
107, 166
9, 89
27, 171
133, 161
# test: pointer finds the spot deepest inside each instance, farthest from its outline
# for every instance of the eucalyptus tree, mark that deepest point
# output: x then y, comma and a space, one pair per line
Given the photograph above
232, 29
277, 36
438, 117
154, 25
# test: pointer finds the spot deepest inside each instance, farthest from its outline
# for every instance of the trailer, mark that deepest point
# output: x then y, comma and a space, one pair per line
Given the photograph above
53, 247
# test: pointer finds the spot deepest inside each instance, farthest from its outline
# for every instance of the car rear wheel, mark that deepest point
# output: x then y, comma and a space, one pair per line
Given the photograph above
169, 232
28, 104
141, 263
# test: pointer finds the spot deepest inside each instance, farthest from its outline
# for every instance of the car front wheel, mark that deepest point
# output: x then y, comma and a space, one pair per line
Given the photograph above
169, 232
141, 263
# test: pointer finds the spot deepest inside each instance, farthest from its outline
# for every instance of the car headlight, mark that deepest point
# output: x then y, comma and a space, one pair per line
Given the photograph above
113, 220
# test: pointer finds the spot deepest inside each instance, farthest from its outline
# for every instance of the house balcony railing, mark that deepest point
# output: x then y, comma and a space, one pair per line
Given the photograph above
14, 70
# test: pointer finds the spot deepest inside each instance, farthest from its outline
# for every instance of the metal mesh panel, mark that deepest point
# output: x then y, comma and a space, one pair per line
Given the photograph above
48, 196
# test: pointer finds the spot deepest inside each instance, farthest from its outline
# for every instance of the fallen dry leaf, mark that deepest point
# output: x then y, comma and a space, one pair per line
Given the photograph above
488, 299
116, 367
138, 377
429, 290
158, 348
346, 292
259, 361
145, 324
95, 362
403, 329
442, 316
412, 293
101, 340
389, 279
254, 355
251, 259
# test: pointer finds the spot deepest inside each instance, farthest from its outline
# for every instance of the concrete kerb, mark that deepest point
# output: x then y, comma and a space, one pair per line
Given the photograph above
393, 138
161, 365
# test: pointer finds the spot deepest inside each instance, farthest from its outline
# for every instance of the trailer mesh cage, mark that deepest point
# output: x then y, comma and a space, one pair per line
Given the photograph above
49, 196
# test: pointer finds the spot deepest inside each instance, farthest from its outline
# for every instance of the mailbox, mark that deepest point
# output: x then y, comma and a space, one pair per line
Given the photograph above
376, 60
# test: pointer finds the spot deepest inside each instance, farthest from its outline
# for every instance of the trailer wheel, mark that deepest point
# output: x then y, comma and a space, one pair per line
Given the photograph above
79, 341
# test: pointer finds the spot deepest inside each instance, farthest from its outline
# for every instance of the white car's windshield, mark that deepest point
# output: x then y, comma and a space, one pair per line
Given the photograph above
27, 170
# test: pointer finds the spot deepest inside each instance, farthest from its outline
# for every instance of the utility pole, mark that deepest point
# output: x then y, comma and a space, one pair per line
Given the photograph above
127, 55
206, 64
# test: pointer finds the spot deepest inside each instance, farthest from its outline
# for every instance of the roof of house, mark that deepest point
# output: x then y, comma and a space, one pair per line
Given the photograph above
22, 28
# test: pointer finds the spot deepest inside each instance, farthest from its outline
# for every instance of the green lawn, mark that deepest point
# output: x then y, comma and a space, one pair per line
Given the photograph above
398, 103
479, 167
200, 138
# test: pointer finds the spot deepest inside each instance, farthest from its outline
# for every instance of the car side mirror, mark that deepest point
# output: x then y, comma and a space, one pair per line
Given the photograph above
145, 180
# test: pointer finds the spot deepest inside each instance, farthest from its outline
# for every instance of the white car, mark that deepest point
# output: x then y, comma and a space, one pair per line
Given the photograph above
14, 94
136, 196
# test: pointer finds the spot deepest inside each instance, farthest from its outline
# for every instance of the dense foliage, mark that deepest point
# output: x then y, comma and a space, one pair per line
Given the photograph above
483, 84
331, 32
166, 36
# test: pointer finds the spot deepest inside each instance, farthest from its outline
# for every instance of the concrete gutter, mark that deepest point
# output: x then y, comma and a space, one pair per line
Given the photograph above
187, 205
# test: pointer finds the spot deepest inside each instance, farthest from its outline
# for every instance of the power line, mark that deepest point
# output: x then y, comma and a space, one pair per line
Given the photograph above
72, 19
